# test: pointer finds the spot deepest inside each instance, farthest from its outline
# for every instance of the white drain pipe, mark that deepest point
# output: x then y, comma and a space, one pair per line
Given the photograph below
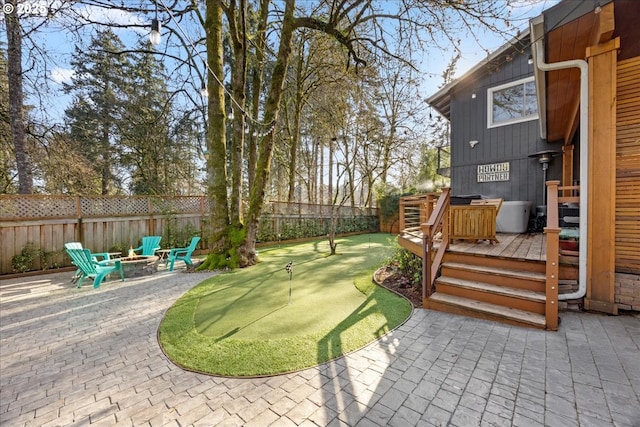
537, 33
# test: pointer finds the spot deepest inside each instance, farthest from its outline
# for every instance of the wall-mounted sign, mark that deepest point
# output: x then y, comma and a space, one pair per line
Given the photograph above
493, 172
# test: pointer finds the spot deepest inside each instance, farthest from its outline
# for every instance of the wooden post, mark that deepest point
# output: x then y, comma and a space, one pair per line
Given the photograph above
150, 209
80, 232
552, 234
552, 203
205, 236
567, 168
602, 177
429, 203
426, 268
552, 270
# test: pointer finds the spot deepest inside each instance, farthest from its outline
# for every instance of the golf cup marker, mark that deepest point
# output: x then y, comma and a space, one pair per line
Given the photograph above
289, 268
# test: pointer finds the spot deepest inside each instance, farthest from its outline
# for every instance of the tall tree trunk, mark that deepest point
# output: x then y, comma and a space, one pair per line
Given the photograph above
293, 154
105, 174
237, 30
320, 187
332, 143
16, 113
216, 129
256, 90
313, 174
386, 156
272, 109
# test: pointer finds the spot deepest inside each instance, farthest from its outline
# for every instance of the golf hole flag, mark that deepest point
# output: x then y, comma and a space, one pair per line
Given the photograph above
289, 269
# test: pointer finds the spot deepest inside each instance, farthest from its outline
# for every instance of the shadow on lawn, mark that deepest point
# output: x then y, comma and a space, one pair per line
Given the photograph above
239, 328
342, 390
330, 346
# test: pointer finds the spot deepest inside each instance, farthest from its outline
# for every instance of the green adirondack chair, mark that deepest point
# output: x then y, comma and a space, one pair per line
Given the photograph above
94, 256
89, 267
182, 254
150, 244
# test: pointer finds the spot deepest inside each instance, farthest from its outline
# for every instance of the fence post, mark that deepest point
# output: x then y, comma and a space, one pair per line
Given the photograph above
203, 222
80, 233
151, 221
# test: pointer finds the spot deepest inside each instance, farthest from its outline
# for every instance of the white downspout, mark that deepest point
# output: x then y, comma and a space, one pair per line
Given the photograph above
584, 147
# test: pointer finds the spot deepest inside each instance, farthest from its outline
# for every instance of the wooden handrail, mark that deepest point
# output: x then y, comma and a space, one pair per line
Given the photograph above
429, 214
438, 220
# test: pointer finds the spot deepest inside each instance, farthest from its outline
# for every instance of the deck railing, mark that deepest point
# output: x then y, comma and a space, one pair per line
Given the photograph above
552, 232
427, 217
438, 222
414, 210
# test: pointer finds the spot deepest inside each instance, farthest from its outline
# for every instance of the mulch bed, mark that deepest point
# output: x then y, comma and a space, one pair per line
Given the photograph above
400, 284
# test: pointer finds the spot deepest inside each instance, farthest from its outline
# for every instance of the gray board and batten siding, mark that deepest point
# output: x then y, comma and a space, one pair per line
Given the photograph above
512, 143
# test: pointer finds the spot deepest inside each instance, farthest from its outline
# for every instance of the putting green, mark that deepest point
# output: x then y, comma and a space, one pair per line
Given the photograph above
243, 323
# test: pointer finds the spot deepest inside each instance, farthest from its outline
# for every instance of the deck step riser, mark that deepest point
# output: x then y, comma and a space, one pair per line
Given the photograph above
463, 311
566, 272
493, 298
495, 262
494, 279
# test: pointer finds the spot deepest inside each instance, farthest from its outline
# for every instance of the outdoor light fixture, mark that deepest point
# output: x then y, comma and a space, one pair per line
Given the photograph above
230, 116
473, 95
204, 91
154, 37
530, 60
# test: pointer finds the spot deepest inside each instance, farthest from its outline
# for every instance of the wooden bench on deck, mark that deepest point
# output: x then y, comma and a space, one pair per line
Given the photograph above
476, 221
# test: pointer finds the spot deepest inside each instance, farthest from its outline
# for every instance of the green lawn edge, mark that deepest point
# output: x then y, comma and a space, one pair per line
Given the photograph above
380, 312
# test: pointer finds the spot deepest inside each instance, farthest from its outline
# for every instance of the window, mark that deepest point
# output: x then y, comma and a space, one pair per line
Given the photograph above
512, 103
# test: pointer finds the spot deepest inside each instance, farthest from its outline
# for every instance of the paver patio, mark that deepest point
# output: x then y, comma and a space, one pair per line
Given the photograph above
90, 357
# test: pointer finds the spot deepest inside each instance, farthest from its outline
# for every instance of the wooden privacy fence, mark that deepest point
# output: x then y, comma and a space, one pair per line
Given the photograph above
43, 223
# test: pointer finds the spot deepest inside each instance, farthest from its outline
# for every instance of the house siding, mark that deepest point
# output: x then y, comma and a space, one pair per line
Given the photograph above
509, 143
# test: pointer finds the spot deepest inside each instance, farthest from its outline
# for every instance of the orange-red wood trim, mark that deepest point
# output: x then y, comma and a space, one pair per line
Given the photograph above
602, 177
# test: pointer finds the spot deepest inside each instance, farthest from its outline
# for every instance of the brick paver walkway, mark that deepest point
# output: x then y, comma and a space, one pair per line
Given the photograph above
74, 357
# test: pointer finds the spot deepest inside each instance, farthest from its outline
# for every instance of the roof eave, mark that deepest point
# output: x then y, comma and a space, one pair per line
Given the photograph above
440, 100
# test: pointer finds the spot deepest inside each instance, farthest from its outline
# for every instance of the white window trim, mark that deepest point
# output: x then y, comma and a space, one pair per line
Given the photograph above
490, 91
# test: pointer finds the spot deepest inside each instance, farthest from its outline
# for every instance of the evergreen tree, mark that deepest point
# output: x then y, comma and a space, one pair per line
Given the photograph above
149, 154
99, 92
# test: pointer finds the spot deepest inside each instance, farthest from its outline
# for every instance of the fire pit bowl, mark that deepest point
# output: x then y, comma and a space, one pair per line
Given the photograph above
137, 266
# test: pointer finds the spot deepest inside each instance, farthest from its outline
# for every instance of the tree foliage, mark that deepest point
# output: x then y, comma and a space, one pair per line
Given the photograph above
325, 100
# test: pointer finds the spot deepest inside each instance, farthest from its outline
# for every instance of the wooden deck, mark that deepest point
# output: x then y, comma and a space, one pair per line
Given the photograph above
528, 246
522, 246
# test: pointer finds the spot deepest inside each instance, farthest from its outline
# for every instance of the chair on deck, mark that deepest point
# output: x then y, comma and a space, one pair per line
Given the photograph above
89, 267
150, 244
182, 254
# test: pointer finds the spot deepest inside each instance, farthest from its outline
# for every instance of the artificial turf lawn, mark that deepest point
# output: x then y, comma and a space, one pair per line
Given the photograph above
241, 323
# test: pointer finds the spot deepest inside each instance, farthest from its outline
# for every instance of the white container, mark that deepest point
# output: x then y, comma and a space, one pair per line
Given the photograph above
513, 217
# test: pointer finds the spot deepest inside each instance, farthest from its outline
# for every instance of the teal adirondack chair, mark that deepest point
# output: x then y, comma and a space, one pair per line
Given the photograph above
89, 267
150, 244
182, 254
94, 256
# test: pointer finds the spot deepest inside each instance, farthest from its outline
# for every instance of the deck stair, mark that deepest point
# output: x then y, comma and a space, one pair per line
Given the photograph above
507, 290
511, 278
